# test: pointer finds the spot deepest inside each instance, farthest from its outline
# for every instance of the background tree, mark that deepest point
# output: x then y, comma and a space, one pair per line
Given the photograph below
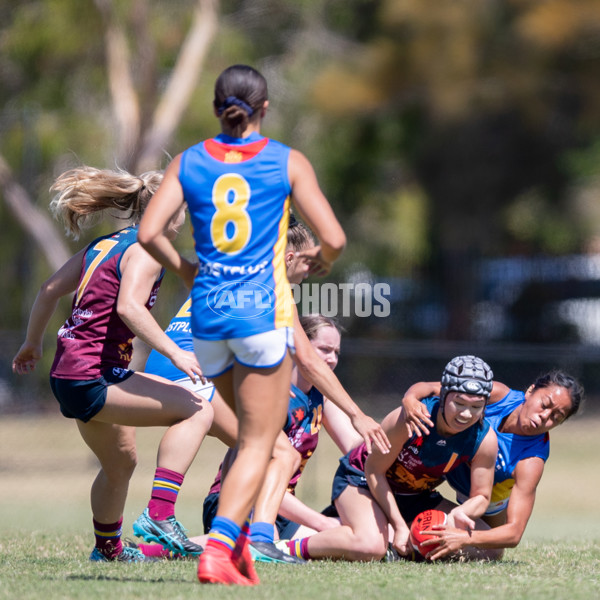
94, 85
487, 113
443, 132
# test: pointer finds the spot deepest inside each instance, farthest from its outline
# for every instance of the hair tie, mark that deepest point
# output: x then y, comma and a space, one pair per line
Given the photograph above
233, 101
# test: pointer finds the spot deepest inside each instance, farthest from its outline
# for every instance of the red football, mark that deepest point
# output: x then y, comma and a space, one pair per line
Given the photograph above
425, 520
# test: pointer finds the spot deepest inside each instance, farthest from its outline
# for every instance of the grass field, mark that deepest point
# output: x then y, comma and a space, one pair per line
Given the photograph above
45, 527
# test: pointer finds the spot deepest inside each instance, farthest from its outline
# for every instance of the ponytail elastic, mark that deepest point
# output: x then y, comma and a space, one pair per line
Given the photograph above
233, 101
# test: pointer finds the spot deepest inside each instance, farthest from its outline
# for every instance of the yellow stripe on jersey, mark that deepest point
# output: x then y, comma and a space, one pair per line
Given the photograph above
283, 292
450, 462
103, 247
501, 490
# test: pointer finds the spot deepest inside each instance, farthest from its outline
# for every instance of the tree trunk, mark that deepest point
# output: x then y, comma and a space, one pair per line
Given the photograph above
34, 221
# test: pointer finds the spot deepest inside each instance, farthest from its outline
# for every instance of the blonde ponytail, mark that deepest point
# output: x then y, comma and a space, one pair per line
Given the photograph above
84, 192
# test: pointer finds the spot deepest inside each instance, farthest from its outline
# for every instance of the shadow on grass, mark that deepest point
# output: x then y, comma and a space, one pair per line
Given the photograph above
122, 579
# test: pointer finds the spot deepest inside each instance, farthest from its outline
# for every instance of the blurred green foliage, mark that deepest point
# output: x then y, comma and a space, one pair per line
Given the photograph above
442, 132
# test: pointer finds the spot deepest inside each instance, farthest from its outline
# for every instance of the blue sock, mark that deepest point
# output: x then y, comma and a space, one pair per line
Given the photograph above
262, 532
224, 531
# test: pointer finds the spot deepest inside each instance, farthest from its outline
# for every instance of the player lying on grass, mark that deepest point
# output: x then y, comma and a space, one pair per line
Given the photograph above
521, 421
374, 491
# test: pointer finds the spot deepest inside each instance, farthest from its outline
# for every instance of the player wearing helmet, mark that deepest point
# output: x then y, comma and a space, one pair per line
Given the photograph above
521, 421
372, 492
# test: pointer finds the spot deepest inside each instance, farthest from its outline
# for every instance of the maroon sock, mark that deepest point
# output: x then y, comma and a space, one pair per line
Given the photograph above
108, 538
299, 548
155, 551
165, 488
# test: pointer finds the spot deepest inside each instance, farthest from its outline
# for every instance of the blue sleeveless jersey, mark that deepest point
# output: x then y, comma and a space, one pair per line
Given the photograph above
180, 331
425, 461
237, 191
512, 448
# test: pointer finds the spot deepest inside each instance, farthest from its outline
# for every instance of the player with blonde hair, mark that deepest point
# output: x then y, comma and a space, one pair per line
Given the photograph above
115, 282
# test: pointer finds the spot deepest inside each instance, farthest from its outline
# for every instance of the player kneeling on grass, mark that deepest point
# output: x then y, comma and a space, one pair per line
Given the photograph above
521, 421
374, 491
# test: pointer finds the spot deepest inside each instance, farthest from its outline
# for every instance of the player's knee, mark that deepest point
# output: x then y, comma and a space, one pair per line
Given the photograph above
370, 548
199, 410
205, 413
121, 466
288, 455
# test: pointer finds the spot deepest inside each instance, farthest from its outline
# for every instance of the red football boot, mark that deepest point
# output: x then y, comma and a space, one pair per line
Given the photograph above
216, 566
242, 559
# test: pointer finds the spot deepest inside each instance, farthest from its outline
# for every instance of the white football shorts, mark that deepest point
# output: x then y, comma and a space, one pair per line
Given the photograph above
261, 351
206, 390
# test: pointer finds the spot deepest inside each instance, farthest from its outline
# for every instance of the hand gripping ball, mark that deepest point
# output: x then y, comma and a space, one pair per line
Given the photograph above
425, 520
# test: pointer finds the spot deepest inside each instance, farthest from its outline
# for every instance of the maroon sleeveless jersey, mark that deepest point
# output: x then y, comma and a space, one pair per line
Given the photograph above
94, 338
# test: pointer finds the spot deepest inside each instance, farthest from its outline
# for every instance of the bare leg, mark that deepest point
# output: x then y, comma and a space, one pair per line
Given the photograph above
261, 406
225, 416
145, 400
225, 423
362, 535
114, 445
281, 468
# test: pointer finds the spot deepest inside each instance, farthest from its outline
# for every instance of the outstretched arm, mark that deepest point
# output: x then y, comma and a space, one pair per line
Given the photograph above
315, 210
63, 282
316, 371
527, 475
506, 534
339, 427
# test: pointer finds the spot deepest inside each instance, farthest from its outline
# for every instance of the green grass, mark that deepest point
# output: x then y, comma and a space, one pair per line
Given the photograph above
45, 527
55, 567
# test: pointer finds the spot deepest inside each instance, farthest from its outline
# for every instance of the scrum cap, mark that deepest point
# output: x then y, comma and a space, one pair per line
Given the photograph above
469, 375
